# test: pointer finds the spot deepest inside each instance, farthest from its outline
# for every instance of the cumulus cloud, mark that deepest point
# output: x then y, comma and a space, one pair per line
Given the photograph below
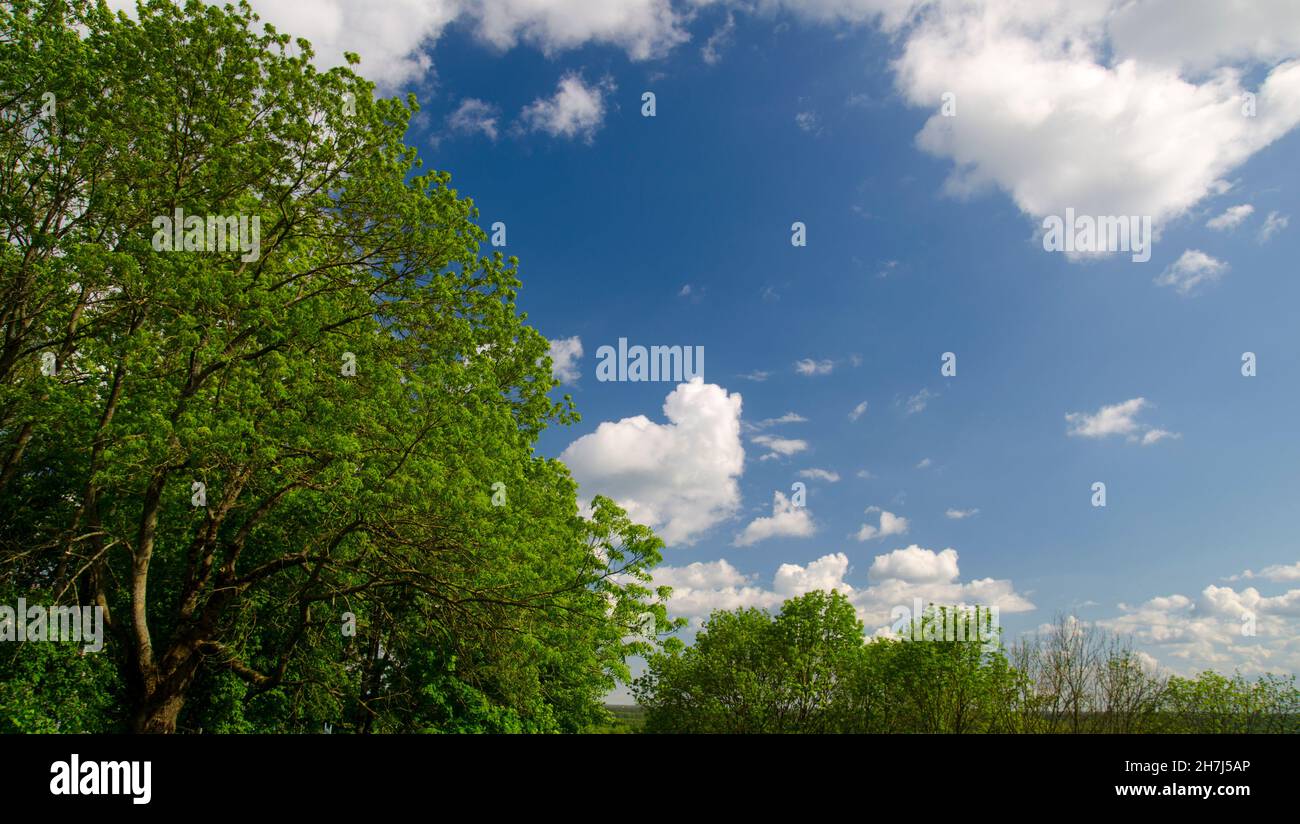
896, 579
1117, 419
1221, 628
890, 524
915, 564
924, 463
1231, 218
1276, 572
700, 575
575, 112
858, 411
565, 354
959, 514
786, 521
396, 38
1043, 88
393, 39
1198, 35
904, 576
1192, 268
678, 477
702, 587
642, 28
825, 573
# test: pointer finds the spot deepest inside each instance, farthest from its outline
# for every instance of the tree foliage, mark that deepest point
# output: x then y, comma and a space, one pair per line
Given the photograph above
129, 376
811, 669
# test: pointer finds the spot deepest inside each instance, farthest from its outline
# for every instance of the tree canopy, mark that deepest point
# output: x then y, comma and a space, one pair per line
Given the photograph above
810, 668
241, 459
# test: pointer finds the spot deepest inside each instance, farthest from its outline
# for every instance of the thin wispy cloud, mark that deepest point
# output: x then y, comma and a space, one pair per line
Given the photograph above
809, 367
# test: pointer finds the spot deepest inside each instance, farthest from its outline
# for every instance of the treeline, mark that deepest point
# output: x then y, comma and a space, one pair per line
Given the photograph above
810, 669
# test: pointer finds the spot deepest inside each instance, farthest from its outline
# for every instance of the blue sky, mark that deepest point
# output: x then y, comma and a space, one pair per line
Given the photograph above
922, 238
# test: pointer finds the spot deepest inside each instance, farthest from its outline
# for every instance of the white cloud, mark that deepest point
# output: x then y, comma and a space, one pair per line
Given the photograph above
1156, 435
474, 115
924, 463
1063, 103
858, 411
820, 475
808, 366
896, 580
1192, 268
396, 38
696, 601
903, 576
700, 575
779, 447
1211, 631
1117, 419
565, 354
1112, 107
825, 573
642, 28
757, 376
703, 587
1198, 35
1273, 224
575, 111
393, 39
786, 521
890, 524
1276, 572
959, 514
807, 122
789, 417
679, 477
915, 564
720, 39
1231, 218
918, 402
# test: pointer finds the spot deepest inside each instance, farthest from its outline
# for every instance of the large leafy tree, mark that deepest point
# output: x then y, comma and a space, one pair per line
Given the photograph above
239, 459
750, 672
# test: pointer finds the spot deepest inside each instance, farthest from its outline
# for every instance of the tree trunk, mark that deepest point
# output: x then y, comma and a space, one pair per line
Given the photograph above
158, 713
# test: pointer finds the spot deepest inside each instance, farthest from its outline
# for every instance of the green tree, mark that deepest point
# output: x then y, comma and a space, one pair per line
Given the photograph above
1214, 703
751, 673
811, 669
945, 681
236, 456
